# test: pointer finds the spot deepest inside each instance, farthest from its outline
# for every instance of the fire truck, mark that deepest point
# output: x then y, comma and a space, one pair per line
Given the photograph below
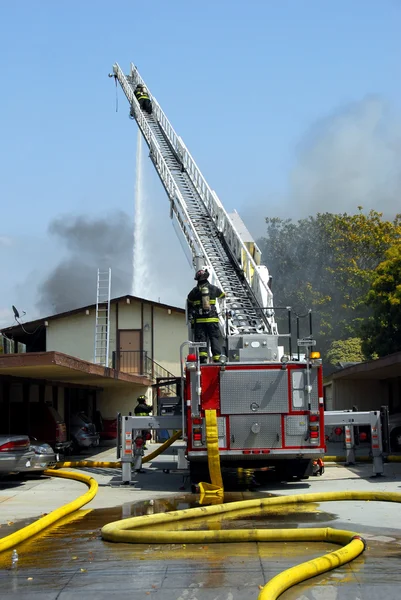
267, 389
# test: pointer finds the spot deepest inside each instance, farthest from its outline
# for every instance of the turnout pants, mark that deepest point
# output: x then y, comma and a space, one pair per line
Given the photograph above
146, 105
208, 332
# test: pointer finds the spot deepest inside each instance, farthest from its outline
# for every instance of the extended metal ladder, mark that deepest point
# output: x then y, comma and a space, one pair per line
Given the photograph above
208, 229
102, 323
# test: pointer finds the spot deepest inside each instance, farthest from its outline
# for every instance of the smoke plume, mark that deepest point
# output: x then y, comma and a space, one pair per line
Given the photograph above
91, 244
350, 158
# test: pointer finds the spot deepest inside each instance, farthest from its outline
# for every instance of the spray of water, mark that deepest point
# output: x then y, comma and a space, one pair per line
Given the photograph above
139, 278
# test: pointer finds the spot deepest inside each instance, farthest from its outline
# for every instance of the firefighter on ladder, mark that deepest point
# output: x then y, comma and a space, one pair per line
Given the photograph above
202, 313
142, 96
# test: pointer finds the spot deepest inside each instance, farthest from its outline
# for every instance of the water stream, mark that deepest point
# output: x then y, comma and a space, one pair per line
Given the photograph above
139, 259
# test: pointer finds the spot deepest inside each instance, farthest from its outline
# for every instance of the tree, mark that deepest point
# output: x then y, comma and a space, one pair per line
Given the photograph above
349, 350
382, 331
326, 263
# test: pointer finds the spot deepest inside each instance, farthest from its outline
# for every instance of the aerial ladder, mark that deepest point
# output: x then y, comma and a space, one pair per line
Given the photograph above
210, 232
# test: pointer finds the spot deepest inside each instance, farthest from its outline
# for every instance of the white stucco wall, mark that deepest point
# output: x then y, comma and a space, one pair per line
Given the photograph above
129, 315
114, 400
75, 334
169, 331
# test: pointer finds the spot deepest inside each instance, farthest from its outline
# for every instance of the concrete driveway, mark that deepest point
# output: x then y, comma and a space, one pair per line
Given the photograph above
71, 561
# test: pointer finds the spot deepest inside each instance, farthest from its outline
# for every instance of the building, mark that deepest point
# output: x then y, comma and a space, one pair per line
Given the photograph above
58, 365
367, 385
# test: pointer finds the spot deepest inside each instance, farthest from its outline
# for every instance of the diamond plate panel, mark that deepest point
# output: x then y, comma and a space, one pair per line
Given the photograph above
243, 437
256, 391
295, 430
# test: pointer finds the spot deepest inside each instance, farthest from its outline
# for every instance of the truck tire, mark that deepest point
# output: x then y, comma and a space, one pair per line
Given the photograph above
301, 469
199, 472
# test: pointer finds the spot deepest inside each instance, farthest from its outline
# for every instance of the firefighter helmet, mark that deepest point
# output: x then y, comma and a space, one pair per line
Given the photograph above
202, 275
141, 398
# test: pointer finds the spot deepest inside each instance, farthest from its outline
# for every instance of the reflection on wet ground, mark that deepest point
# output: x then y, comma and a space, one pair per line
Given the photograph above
71, 556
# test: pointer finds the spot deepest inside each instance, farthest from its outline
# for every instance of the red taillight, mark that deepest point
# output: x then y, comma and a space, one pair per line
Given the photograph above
246, 452
255, 451
197, 437
191, 358
265, 451
314, 434
313, 418
338, 430
363, 436
16, 445
139, 442
61, 432
197, 421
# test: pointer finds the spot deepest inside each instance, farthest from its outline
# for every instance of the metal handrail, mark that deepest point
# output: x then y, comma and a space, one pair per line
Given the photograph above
139, 363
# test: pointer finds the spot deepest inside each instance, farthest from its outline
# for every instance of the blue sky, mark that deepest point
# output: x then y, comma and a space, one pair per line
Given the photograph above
243, 83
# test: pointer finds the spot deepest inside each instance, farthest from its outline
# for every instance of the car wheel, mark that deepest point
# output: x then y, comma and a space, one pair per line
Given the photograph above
75, 446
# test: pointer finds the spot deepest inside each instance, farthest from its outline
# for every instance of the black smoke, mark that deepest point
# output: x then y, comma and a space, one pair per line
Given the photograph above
91, 243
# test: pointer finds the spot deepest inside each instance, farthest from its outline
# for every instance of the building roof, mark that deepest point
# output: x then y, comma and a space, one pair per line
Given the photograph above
31, 326
380, 368
62, 368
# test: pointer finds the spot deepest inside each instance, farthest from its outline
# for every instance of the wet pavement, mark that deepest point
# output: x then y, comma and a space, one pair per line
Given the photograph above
70, 560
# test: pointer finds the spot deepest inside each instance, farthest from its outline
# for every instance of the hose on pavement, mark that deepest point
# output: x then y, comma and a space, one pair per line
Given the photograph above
152, 528
117, 464
23, 534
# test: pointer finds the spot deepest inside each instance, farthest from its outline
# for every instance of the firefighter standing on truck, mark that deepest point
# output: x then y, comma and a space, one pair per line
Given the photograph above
202, 313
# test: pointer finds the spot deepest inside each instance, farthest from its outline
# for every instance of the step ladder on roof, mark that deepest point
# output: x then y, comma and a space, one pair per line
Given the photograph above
102, 324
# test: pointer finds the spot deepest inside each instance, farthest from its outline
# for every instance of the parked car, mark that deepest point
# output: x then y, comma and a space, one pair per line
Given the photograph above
83, 432
109, 431
16, 455
395, 432
42, 422
48, 426
44, 456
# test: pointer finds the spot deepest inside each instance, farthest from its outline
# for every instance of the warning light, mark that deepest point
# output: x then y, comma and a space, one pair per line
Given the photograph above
191, 358
313, 355
338, 430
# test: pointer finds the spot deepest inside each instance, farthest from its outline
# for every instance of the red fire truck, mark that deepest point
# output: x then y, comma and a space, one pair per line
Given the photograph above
269, 399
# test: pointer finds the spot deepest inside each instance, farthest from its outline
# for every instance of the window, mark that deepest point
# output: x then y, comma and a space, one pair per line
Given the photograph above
298, 389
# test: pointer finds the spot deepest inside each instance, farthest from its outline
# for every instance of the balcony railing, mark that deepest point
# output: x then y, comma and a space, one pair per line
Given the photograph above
137, 362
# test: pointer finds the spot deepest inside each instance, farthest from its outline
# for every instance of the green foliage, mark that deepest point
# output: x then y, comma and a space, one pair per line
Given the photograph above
382, 332
326, 263
349, 350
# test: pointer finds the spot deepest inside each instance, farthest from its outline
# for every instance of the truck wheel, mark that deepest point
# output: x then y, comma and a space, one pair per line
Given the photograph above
299, 470
199, 472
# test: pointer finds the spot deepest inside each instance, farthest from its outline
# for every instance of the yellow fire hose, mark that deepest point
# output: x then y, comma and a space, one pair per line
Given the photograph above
116, 465
26, 532
151, 528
